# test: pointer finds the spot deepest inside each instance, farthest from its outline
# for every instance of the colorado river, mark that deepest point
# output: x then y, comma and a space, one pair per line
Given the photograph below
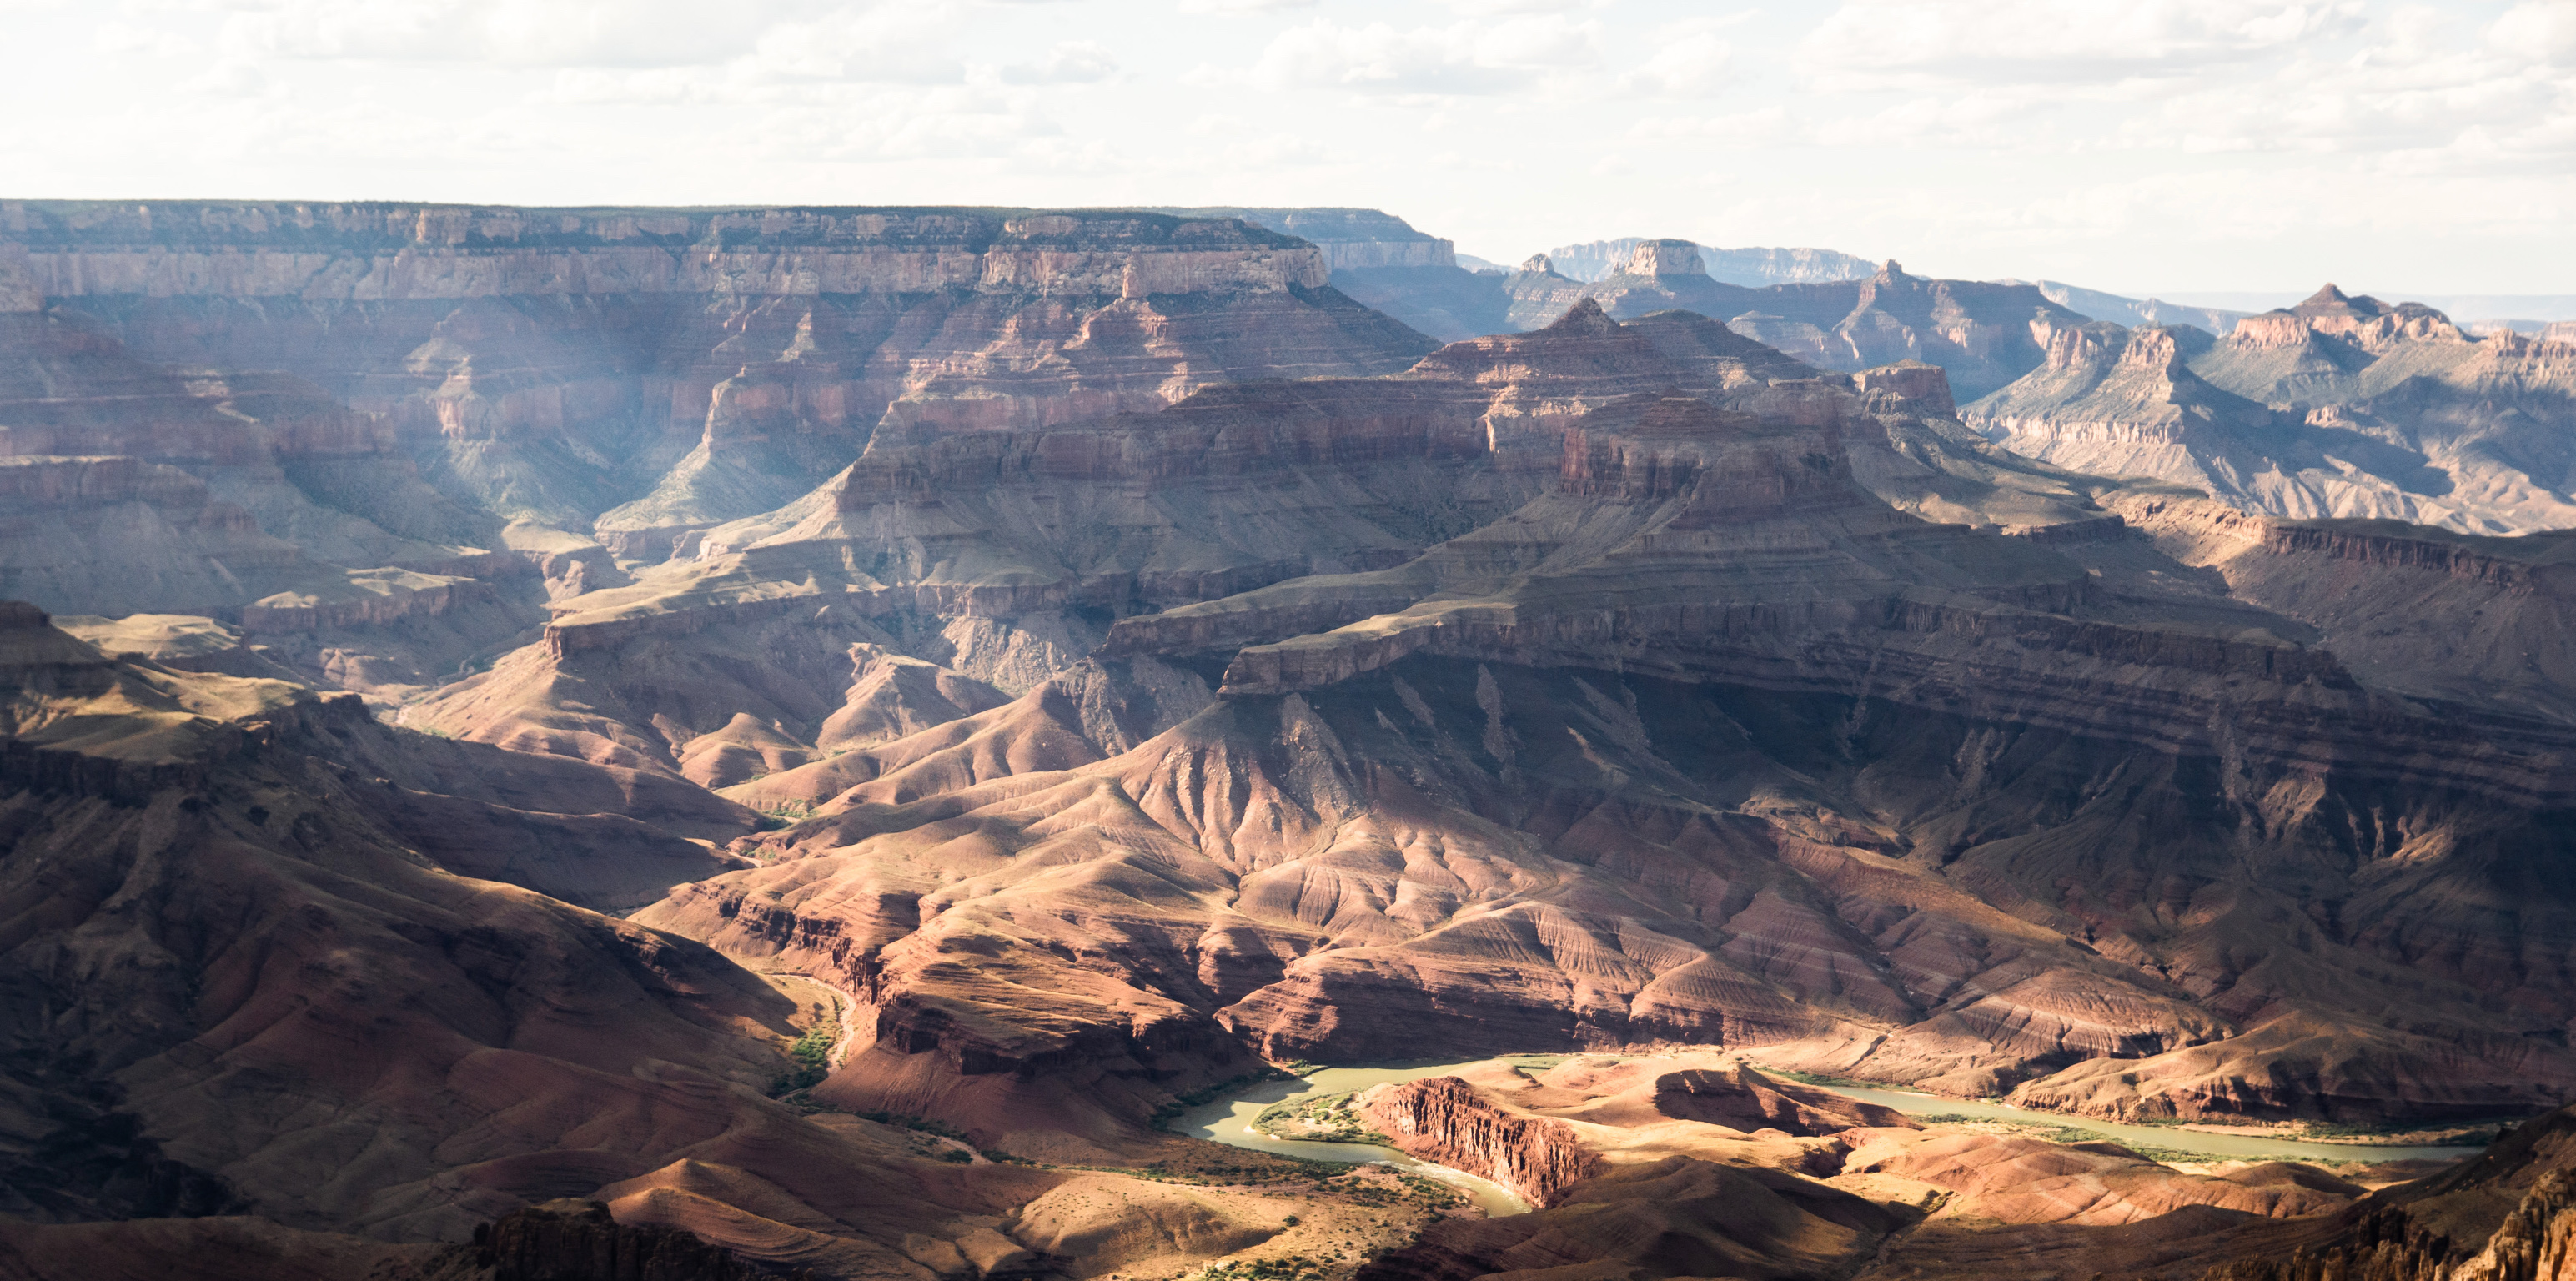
1229, 1121
2223, 1147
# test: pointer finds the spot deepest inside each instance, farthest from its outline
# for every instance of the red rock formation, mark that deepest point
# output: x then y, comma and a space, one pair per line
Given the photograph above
1444, 1121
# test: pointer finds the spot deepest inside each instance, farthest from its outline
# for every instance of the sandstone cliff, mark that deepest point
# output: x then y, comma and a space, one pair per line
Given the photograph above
1442, 1120
2339, 407
690, 366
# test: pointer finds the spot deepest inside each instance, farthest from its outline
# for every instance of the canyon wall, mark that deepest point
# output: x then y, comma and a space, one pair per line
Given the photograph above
395, 252
688, 366
370, 388
1980, 333
2337, 408
1442, 1120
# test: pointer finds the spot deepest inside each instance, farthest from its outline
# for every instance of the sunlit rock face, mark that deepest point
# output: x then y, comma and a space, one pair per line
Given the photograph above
2339, 408
486, 409
1059, 665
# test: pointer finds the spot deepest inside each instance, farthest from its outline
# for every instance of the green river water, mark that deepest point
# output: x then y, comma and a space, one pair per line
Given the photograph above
1229, 1121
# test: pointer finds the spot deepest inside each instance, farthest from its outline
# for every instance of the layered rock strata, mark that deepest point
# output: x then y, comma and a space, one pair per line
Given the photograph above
1752, 267
685, 367
1443, 1121
2340, 407
1623, 674
1980, 333
1051, 533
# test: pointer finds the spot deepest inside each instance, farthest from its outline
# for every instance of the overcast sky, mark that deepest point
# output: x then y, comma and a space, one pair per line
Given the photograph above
2138, 145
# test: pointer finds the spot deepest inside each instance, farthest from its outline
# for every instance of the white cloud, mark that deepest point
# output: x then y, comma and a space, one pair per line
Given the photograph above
1938, 120
2421, 95
1073, 62
963, 122
117, 36
1514, 55
233, 80
1893, 42
1764, 127
2414, 88
2164, 144
537, 33
886, 42
1691, 60
1497, 8
2545, 31
1243, 6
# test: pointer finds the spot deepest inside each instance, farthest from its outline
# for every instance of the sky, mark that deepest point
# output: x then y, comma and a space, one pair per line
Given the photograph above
2141, 146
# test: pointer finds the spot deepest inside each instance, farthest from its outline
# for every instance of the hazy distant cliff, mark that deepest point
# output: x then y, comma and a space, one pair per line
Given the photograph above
375, 251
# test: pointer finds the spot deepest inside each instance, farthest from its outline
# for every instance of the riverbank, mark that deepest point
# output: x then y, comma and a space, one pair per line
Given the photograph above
1231, 1121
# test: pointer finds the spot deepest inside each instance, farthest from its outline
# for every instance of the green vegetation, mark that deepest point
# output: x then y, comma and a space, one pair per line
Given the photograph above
812, 1054
1164, 1115
1315, 1118
1292, 1267
1409, 1189
1216, 1163
907, 1121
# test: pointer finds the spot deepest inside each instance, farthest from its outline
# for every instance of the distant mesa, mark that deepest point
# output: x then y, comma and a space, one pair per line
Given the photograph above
1660, 258
1750, 267
1980, 332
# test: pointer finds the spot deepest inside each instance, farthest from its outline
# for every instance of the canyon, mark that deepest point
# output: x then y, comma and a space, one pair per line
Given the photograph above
808, 731
2337, 408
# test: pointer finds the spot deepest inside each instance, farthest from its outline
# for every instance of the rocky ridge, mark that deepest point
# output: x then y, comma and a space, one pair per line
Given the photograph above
1382, 261
519, 399
1980, 333
1562, 671
1620, 685
2339, 407
1441, 1120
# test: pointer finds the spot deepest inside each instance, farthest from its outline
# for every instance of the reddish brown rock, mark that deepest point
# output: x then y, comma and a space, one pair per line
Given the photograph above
1743, 1099
1442, 1120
